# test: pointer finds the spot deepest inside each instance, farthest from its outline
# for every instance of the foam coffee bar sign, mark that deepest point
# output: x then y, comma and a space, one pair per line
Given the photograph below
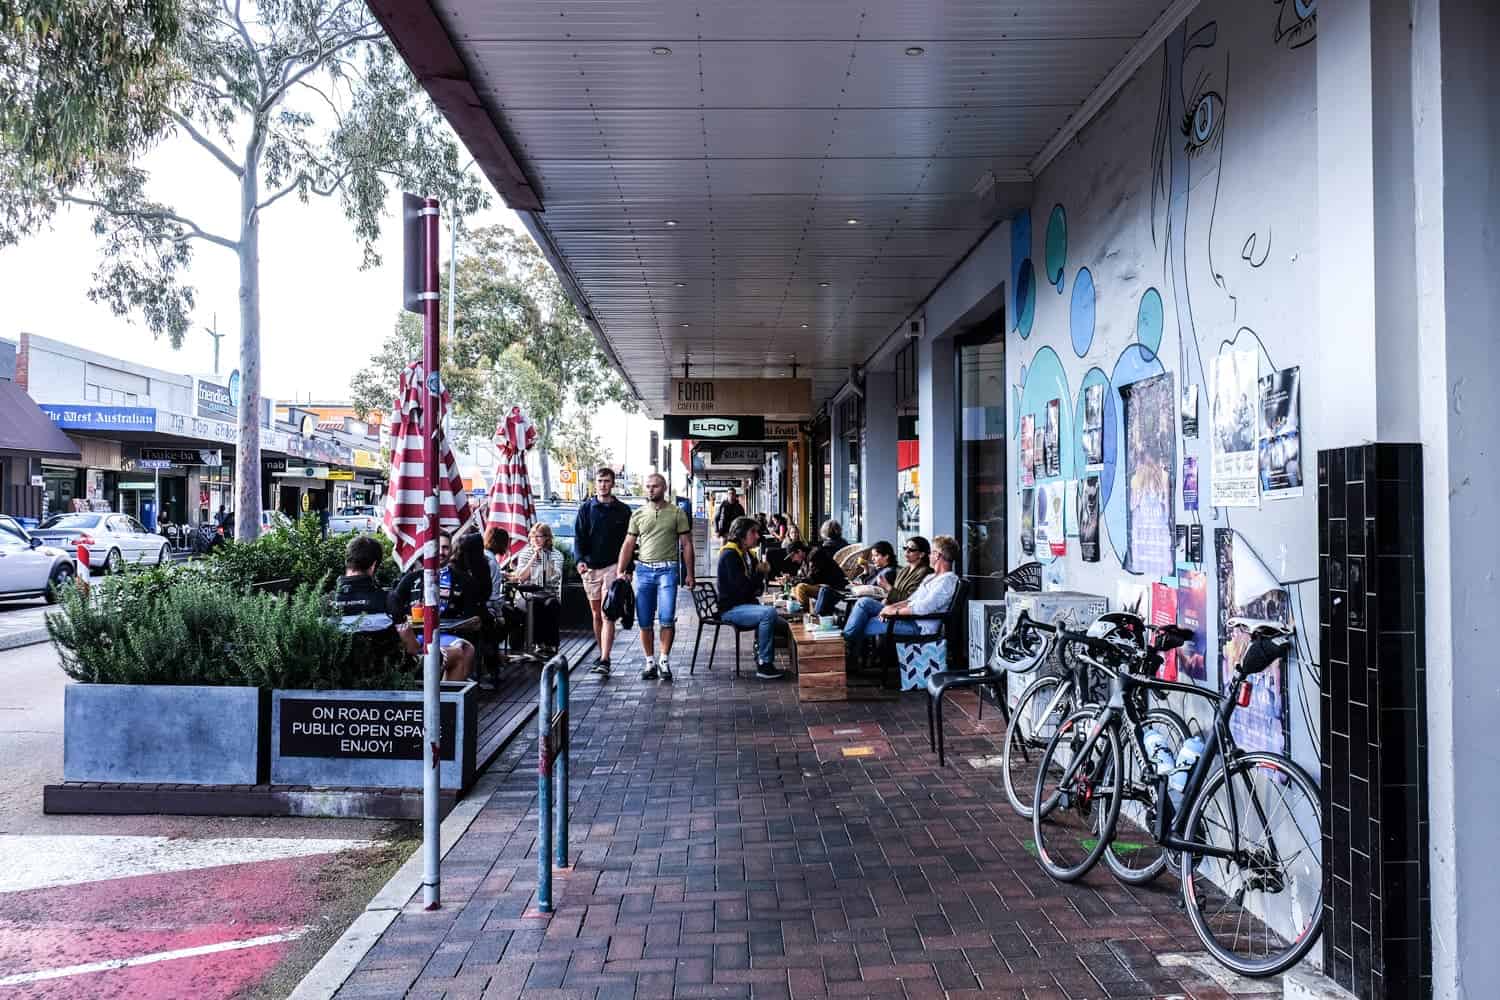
767, 397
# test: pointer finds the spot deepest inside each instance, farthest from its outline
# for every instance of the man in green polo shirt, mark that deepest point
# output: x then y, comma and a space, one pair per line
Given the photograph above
657, 532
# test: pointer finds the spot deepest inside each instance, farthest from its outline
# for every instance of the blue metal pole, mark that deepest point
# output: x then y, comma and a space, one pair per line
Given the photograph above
563, 750
544, 794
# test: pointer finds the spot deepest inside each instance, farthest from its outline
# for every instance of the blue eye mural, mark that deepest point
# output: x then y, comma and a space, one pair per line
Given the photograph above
1081, 316
1149, 317
1296, 23
1204, 122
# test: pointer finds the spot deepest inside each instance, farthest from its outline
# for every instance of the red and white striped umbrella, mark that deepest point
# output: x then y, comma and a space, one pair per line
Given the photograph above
511, 506
405, 517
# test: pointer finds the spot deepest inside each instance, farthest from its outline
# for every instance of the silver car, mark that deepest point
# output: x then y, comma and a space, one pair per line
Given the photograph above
113, 540
28, 566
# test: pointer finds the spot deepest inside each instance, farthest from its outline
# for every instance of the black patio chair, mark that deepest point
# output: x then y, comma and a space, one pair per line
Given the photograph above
706, 603
1026, 578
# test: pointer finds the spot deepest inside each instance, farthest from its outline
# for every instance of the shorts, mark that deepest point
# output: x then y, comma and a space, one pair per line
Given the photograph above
596, 582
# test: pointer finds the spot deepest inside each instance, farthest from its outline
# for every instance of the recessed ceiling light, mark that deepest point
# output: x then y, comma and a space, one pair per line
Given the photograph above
823, 284
662, 50
915, 50
681, 284
685, 324
670, 222
851, 222
804, 326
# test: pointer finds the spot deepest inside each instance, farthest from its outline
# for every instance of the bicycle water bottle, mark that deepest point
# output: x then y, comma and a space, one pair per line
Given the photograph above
1187, 756
1159, 753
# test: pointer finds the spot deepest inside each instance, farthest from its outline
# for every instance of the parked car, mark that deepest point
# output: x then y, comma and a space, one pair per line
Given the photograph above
113, 540
363, 519
561, 517
270, 520
29, 567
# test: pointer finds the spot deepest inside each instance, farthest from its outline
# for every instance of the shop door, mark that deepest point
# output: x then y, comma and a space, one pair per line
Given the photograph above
981, 458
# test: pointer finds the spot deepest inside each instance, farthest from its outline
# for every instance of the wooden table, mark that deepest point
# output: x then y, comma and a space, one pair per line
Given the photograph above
820, 666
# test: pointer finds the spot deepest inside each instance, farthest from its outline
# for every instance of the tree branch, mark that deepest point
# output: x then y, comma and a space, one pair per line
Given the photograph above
194, 231
244, 33
186, 124
318, 59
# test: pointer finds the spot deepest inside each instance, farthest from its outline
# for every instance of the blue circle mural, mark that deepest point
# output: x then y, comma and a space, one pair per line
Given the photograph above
1046, 380
1081, 316
1057, 246
1026, 298
1149, 319
1135, 363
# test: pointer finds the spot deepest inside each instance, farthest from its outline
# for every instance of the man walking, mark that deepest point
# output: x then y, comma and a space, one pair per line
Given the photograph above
724, 517
659, 534
598, 535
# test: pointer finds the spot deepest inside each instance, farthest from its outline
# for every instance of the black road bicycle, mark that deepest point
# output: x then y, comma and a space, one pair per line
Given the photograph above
1244, 827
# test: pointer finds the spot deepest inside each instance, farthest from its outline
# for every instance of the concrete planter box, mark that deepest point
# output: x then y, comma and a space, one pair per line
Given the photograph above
369, 739
158, 733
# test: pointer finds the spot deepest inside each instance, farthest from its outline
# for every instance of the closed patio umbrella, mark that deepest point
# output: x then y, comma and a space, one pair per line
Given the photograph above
511, 506
405, 520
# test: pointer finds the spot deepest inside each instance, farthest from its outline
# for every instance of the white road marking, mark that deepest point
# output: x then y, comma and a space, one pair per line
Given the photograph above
20, 979
42, 862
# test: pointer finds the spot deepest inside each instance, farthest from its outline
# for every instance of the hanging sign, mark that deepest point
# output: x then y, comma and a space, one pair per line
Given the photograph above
726, 428
770, 397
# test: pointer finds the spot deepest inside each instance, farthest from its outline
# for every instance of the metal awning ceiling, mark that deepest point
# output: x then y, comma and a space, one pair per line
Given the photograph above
694, 167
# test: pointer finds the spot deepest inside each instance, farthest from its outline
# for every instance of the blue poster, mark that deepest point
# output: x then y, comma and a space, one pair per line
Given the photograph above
83, 417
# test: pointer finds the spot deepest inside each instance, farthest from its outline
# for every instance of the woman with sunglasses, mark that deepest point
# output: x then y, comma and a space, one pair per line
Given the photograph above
916, 552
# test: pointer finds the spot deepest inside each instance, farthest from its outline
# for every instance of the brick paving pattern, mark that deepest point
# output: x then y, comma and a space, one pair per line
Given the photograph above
721, 851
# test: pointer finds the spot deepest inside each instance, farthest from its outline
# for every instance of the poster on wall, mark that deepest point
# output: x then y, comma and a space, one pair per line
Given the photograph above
1234, 482
1248, 590
1150, 465
1070, 507
1093, 426
1028, 449
1028, 522
1195, 543
1052, 441
1133, 598
1180, 551
1192, 614
1164, 612
1189, 482
1050, 536
1088, 518
1280, 434
1190, 410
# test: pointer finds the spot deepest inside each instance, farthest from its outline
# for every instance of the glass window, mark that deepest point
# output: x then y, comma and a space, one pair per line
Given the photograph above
981, 457
72, 521
11, 533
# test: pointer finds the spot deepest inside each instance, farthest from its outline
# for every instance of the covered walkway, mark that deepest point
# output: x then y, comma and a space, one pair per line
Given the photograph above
731, 842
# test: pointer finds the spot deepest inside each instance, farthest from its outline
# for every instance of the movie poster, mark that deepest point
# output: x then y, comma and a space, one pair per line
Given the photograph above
1179, 552
1052, 440
1280, 434
1093, 426
1189, 482
1190, 411
1028, 521
1051, 539
1150, 465
1088, 518
1164, 612
1192, 614
1028, 449
1234, 481
1248, 590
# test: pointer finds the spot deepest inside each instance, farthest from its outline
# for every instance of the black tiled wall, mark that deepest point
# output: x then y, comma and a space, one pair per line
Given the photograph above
1376, 932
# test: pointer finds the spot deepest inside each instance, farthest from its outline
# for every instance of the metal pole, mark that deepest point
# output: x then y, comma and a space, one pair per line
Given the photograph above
561, 765
452, 271
432, 673
544, 792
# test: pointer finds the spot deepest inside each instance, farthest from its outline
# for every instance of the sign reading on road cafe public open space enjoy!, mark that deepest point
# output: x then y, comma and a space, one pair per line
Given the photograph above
337, 727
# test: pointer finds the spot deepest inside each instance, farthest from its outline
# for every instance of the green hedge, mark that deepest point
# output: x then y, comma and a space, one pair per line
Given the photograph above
298, 553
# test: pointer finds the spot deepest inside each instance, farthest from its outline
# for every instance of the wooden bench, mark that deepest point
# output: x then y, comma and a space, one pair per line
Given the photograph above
820, 666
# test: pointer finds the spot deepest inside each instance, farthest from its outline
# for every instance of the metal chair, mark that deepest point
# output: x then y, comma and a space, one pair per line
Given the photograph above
706, 603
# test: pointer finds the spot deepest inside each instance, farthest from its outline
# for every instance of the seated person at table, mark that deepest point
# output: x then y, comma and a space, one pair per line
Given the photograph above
739, 582
508, 618
357, 592
463, 593
877, 571
817, 569
541, 565
905, 584
934, 595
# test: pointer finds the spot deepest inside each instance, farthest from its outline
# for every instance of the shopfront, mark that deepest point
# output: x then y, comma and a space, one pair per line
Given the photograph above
981, 465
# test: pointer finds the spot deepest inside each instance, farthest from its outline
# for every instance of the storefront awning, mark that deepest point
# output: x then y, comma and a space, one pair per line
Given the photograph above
25, 428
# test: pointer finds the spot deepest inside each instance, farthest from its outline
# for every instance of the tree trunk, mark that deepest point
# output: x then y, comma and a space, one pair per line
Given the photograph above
247, 453
544, 442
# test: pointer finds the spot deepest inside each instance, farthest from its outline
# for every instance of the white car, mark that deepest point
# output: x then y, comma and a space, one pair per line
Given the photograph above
273, 520
113, 540
363, 519
28, 566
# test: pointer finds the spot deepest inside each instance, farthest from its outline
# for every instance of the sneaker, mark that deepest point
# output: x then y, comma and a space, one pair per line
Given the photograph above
602, 668
768, 672
650, 674
666, 671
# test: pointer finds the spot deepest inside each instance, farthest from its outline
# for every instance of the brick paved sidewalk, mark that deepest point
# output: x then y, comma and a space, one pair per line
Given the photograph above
722, 851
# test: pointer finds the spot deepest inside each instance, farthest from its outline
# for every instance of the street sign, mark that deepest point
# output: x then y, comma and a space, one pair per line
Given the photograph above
340, 475
778, 397
354, 728
413, 250
306, 502
677, 427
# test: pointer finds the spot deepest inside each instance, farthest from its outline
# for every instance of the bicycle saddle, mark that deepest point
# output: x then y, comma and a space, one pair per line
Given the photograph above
1261, 627
1264, 651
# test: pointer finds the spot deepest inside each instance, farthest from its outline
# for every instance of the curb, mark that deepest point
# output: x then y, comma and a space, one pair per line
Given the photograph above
325, 978
23, 637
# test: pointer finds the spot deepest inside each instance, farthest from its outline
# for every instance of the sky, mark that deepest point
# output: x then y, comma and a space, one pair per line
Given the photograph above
322, 317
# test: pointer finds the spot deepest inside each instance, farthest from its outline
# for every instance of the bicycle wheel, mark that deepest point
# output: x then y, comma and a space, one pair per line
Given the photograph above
1041, 707
1133, 855
1259, 912
1075, 784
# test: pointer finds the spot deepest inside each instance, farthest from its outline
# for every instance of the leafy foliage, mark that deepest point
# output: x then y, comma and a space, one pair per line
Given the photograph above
298, 554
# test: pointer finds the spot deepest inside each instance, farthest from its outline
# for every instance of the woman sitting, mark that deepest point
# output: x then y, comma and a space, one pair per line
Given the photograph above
509, 619
463, 597
903, 586
739, 583
540, 566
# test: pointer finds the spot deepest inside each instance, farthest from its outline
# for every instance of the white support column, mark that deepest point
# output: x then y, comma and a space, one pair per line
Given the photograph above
1456, 110
936, 426
879, 497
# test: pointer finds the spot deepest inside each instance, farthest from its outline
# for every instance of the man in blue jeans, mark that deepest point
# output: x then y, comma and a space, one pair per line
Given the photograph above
660, 538
739, 586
